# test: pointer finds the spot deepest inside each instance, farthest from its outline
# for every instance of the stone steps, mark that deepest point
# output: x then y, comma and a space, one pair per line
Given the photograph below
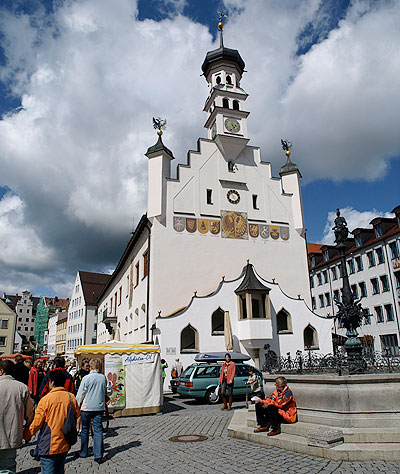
294, 438
350, 435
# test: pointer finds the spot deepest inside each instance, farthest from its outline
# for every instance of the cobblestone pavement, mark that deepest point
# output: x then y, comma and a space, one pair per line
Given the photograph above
139, 445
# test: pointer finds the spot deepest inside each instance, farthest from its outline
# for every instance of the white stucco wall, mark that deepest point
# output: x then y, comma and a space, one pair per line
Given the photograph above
199, 312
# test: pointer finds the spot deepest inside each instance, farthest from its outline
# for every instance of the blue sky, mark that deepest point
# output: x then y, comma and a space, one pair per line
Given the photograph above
80, 81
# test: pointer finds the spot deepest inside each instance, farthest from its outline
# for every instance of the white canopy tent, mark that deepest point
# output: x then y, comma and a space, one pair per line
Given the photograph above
134, 372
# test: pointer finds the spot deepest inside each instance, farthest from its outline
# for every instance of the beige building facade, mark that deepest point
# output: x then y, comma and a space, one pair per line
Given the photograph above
61, 333
7, 329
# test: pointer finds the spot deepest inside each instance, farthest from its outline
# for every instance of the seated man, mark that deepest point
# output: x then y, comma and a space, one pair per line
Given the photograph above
279, 408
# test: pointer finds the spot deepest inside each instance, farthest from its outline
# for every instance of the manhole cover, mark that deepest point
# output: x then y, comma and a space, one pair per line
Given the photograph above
192, 438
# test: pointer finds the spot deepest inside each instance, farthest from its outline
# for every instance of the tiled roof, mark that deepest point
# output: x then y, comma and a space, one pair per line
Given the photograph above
62, 316
352, 248
92, 285
314, 248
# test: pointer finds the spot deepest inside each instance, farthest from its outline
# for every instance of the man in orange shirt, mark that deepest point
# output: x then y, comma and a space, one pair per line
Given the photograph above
50, 417
279, 408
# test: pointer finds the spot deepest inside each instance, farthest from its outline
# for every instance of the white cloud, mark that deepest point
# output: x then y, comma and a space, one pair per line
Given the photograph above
92, 76
355, 219
19, 244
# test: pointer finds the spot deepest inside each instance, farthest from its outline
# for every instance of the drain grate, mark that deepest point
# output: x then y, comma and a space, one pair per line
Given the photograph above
191, 438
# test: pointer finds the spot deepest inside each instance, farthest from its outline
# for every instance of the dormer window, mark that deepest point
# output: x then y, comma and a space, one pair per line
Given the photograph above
398, 219
326, 255
218, 80
229, 80
225, 103
235, 105
358, 240
312, 262
378, 230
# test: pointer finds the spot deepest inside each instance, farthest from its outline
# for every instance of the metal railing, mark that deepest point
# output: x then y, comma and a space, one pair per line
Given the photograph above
311, 362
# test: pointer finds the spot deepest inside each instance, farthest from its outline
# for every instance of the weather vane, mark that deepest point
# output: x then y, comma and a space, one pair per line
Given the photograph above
220, 23
286, 147
159, 124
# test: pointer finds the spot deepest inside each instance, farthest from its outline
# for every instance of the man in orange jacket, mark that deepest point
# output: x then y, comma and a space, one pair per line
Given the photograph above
50, 417
279, 408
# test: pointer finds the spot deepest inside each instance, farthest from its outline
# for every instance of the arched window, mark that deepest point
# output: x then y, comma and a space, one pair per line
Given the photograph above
189, 339
228, 80
284, 322
235, 105
225, 103
310, 338
218, 80
217, 322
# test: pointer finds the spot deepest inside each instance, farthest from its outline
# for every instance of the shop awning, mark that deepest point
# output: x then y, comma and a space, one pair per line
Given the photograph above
117, 347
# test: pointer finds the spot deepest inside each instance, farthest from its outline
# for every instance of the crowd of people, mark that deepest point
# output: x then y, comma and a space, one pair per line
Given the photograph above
41, 399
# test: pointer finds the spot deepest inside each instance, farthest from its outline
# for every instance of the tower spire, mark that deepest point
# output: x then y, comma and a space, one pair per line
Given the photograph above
221, 27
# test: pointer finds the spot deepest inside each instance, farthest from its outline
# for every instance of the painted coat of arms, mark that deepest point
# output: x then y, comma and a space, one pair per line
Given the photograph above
179, 223
274, 231
203, 226
254, 230
234, 225
191, 224
285, 233
264, 231
214, 226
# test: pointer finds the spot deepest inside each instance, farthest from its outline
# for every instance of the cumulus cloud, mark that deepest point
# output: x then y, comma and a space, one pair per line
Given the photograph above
355, 219
91, 76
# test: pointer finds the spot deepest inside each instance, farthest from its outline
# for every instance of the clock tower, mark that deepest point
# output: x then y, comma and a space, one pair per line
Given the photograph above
226, 123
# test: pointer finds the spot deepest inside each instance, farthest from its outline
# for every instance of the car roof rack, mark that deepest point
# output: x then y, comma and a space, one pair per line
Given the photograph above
219, 356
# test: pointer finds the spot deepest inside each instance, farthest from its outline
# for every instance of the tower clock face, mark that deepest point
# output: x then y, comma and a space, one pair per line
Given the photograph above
232, 125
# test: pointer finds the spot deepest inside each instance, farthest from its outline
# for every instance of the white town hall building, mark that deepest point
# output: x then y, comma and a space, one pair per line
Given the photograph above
222, 247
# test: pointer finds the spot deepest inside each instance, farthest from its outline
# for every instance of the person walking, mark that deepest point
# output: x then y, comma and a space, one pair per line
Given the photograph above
226, 380
82, 372
91, 397
177, 369
50, 417
21, 371
15, 408
164, 366
36, 376
59, 363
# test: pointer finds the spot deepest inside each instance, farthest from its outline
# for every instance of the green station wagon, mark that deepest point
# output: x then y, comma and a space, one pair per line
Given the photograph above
200, 380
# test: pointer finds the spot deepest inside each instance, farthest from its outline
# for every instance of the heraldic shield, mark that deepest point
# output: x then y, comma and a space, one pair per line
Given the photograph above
203, 226
214, 226
254, 230
179, 223
285, 233
264, 231
191, 224
274, 231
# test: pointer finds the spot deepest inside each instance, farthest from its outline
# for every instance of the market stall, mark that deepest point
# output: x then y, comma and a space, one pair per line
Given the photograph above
134, 371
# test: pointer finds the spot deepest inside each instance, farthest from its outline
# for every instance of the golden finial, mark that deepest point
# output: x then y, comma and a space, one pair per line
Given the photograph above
223, 277
220, 24
298, 295
286, 147
159, 133
159, 313
195, 292
273, 279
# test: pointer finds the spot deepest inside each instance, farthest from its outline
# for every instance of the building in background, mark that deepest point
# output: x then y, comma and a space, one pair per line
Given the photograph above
82, 314
7, 329
25, 306
51, 336
42, 319
61, 332
373, 265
